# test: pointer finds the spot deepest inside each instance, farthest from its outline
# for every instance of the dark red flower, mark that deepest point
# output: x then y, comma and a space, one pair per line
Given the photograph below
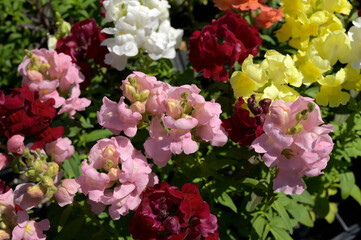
167, 213
83, 43
241, 127
224, 41
21, 112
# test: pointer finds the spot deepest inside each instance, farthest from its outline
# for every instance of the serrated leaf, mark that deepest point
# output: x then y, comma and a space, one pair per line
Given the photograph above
283, 214
356, 193
98, 134
347, 181
227, 201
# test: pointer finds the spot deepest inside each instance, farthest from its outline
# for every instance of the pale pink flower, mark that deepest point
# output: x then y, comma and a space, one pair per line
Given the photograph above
156, 98
15, 144
29, 230
4, 160
118, 117
48, 72
66, 191
74, 103
143, 82
28, 196
128, 171
92, 183
295, 143
60, 150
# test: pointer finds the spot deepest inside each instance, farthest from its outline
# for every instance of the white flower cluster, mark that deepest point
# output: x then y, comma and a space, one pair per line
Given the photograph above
139, 25
354, 35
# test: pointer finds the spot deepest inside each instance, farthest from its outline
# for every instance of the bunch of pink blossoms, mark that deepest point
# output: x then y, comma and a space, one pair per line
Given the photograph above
178, 116
295, 143
54, 75
15, 222
124, 174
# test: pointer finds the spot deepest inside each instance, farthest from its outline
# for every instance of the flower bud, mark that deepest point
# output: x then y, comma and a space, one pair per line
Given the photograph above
34, 76
144, 95
113, 174
39, 167
47, 181
35, 191
108, 165
30, 173
44, 68
173, 109
310, 106
15, 144
138, 107
53, 169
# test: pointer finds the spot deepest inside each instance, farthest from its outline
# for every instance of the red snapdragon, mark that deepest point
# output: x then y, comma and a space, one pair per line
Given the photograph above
22, 113
224, 41
241, 127
167, 213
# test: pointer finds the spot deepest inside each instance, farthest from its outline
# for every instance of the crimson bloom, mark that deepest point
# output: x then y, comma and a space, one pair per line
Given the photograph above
82, 43
224, 41
167, 213
241, 127
22, 113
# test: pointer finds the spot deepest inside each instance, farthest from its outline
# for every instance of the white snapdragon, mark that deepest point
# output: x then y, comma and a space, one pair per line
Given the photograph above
139, 25
354, 35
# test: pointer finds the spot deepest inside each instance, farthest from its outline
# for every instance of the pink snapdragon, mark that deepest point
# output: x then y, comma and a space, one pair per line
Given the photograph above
53, 75
15, 144
125, 174
29, 230
60, 150
66, 191
7, 212
178, 116
295, 143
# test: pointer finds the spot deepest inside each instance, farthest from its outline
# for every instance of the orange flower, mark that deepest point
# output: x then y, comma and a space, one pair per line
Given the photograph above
268, 16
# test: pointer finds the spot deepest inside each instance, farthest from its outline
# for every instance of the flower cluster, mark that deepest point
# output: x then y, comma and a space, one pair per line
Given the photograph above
295, 143
139, 25
268, 79
165, 211
266, 17
181, 110
241, 127
15, 222
83, 43
43, 179
124, 174
318, 34
54, 75
22, 114
226, 40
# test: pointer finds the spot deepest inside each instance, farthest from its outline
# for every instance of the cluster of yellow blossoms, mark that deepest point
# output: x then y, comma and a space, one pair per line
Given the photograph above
313, 29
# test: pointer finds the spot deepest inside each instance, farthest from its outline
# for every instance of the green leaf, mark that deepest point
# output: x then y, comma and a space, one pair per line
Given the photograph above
347, 181
98, 134
305, 217
253, 202
64, 217
227, 201
279, 233
322, 207
305, 197
283, 214
356, 193
330, 217
258, 226
85, 123
73, 131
